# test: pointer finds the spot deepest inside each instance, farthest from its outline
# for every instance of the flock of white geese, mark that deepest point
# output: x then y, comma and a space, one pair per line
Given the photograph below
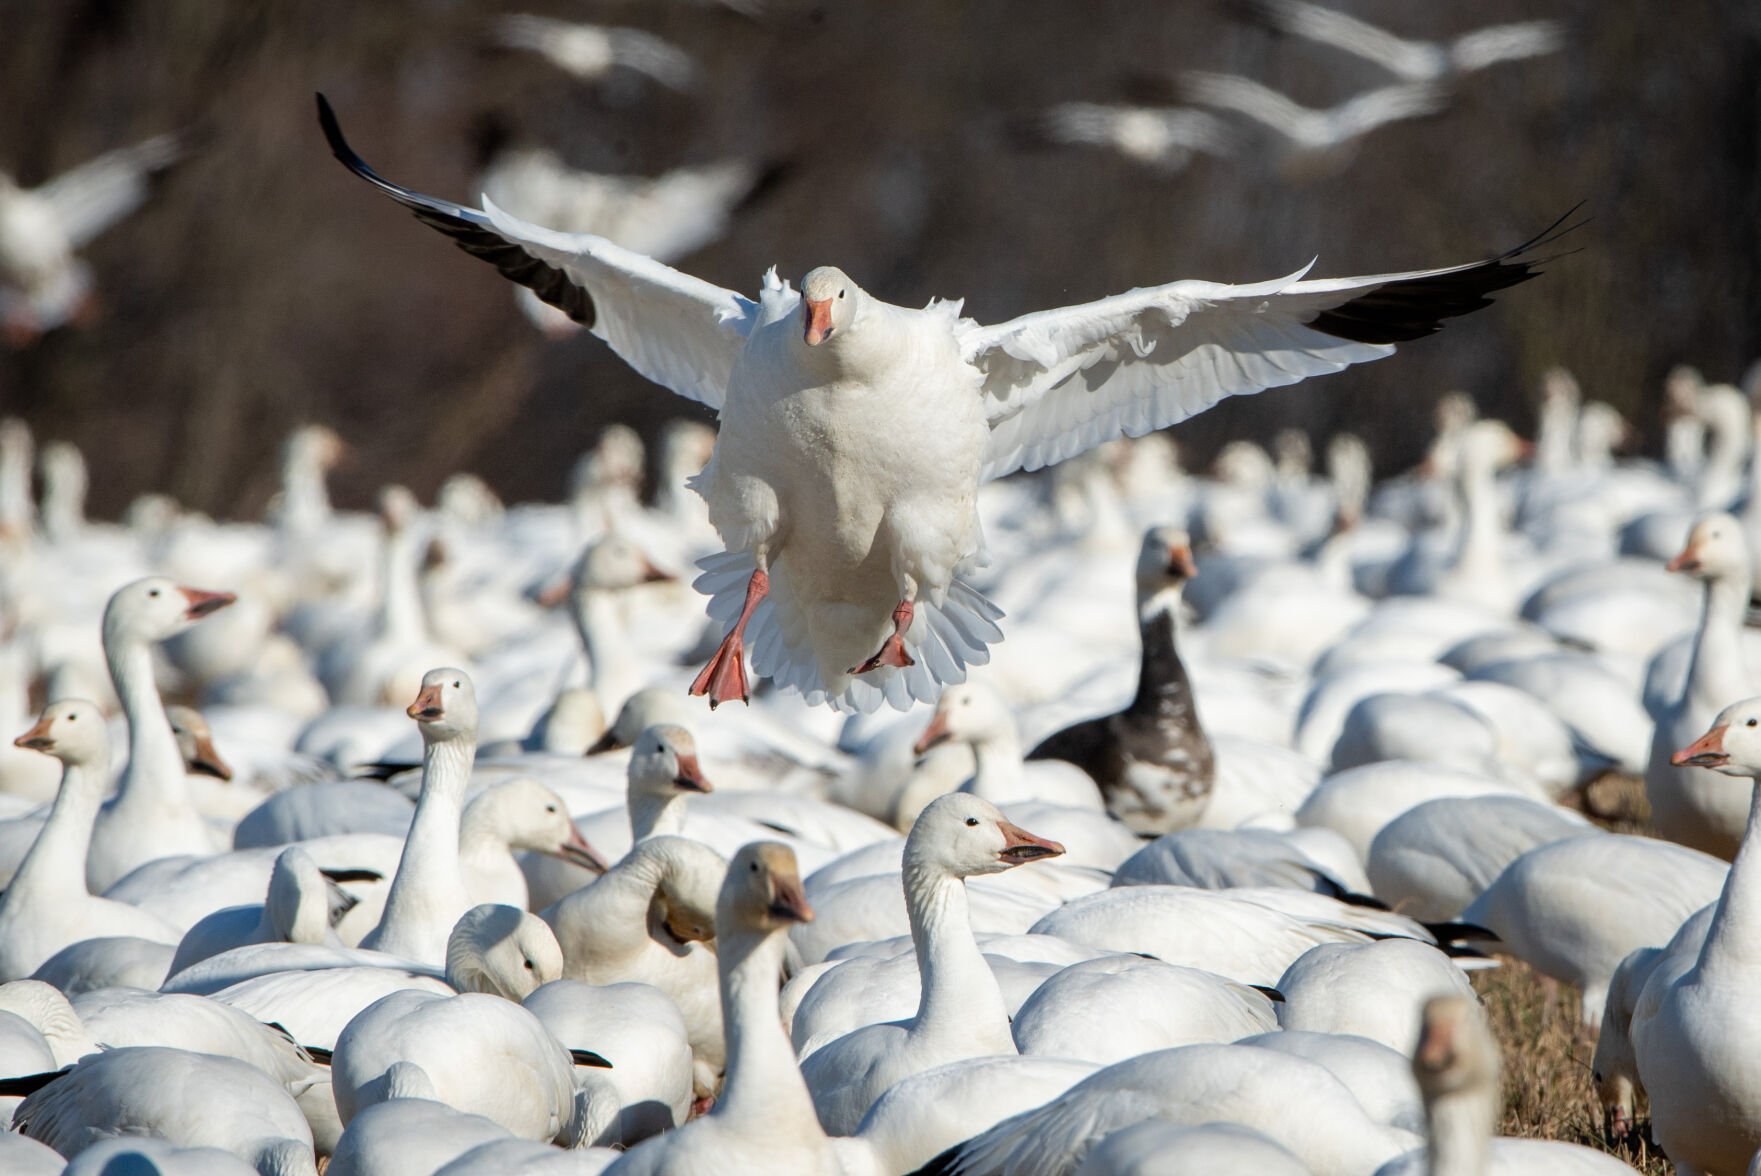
445, 872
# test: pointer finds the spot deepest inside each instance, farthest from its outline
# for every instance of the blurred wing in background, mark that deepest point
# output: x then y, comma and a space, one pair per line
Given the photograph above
1058, 382
679, 331
95, 195
590, 52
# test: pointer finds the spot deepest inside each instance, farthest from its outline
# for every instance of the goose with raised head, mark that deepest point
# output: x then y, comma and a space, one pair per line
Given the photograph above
1456, 1063
46, 906
764, 1119
152, 814
976, 714
189, 1099
1152, 761
1696, 1045
1689, 804
961, 1012
428, 892
648, 919
867, 596
609, 567
304, 904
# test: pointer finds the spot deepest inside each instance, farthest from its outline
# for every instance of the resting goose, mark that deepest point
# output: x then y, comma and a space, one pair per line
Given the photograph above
1151, 760
1692, 1034
303, 905
975, 713
960, 1013
866, 589
637, 1028
428, 892
152, 814
46, 906
764, 1120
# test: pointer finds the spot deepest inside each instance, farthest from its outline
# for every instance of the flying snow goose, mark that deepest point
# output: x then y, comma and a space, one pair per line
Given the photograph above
1304, 133
428, 892
1412, 61
152, 814
46, 906
1152, 761
42, 283
764, 1120
1162, 138
590, 52
1691, 1033
960, 1013
857, 596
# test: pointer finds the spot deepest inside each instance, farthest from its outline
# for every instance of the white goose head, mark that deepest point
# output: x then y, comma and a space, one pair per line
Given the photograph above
829, 302
446, 706
612, 563
664, 763
648, 707
963, 835
155, 608
526, 815
1715, 549
1456, 1053
72, 730
968, 712
195, 742
763, 891
502, 950
1732, 746
1164, 561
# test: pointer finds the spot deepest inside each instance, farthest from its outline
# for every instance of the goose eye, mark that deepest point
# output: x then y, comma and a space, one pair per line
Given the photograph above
841, 293
973, 821
1750, 723
152, 592
755, 867
75, 719
528, 965
455, 685
550, 808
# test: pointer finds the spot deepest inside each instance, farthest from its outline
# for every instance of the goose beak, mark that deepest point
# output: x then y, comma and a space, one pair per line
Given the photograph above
1436, 1046
1705, 752
606, 742
1525, 449
936, 733
788, 901
1021, 846
207, 761
427, 707
653, 575
1687, 561
819, 320
690, 777
202, 603
37, 738
554, 593
1180, 562
578, 851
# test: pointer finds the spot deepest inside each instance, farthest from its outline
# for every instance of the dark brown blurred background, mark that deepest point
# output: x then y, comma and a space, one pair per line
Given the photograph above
265, 287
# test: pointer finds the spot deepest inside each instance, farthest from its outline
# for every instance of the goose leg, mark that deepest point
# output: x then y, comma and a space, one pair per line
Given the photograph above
892, 650
724, 678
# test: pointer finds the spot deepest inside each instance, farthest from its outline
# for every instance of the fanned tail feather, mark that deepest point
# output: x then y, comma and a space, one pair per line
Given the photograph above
944, 640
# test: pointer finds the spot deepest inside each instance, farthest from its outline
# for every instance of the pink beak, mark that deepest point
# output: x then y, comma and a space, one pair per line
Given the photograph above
1021, 846
1180, 562
690, 776
427, 706
202, 603
819, 320
1705, 752
936, 732
1687, 561
37, 738
576, 850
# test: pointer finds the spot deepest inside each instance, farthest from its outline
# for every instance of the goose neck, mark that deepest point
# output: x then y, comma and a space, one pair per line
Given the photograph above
1461, 1124
1733, 941
764, 1087
1482, 530
960, 996
652, 815
600, 628
56, 862
401, 613
430, 881
996, 766
1718, 672
155, 766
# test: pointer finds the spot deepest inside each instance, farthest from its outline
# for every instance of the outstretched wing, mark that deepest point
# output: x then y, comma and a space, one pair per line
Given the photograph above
98, 193
1059, 382
679, 331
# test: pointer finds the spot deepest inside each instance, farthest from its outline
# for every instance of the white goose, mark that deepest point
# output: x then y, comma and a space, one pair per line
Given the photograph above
1413, 61
764, 1120
960, 1013
1689, 804
46, 906
1697, 1048
428, 893
303, 905
976, 714
152, 815
865, 589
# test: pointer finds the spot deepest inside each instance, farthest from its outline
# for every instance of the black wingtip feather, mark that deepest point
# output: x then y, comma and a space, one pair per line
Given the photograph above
469, 230
1401, 311
21, 1085
586, 1057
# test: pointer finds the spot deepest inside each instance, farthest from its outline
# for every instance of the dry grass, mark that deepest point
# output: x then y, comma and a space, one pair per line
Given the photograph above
1547, 1089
